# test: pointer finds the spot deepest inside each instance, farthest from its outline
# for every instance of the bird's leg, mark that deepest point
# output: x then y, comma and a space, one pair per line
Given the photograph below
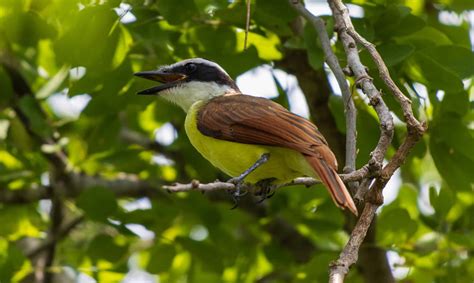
238, 181
266, 189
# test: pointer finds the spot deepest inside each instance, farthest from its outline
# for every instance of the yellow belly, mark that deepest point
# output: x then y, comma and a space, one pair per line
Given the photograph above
234, 158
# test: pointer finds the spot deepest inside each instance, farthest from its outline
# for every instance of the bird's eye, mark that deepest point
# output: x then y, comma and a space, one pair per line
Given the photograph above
190, 67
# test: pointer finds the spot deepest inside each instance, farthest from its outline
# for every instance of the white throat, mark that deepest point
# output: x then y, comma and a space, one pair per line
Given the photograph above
188, 93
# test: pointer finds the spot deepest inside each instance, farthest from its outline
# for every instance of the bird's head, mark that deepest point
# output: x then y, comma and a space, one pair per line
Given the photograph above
189, 81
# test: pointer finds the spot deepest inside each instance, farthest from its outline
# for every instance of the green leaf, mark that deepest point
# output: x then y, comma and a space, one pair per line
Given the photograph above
98, 203
209, 6
459, 5
459, 35
442, 201
204, 252
464, 239
7, 89
364, 28
408, 25
36, 119
453, 132
407, 199
395, 227
26, 28
456, 104
367, 126
457, 59
104, 247
315, 53
449, 126
161, 258
214, 39
397, 21
426, 37
316, 269
18, 222
433, 74
282, 97
177, 14
336, 106
53, 83
393, 54
453, 158
235, 12
267, 45
102, 48
11, 260
274, 15
124, 42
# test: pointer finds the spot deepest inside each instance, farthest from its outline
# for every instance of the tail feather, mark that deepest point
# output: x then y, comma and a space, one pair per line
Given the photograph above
333, 183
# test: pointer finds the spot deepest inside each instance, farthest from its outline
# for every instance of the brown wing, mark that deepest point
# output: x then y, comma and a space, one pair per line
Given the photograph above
253, 120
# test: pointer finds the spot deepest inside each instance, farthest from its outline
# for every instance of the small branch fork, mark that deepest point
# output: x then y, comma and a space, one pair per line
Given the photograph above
333, 63
349, 36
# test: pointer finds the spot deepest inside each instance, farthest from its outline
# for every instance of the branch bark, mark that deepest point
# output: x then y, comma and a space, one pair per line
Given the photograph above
55, 238
372, 168
348, 35
43, 272
333, 63
131, 186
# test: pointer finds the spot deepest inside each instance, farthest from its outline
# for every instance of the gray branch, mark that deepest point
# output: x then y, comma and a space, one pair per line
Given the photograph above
126, 185
333, 63
63, 232
122, 186
374, 199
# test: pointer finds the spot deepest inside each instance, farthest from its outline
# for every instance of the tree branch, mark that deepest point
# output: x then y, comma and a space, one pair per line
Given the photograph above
53, 239
405, 103
347, 34
43, 272
126, 185
373, 167
333, 63
122, 186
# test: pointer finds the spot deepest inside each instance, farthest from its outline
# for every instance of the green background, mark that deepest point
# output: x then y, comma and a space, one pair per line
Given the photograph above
291, 237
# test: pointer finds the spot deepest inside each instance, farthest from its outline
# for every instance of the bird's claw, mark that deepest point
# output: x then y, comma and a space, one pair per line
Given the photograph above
237, 193
266, 193
267, 189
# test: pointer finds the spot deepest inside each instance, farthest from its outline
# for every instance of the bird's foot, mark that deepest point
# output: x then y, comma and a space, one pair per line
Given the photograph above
238, 192
239, 181
267, 189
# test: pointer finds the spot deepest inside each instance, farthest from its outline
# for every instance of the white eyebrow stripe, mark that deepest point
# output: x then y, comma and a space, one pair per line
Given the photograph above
196, 61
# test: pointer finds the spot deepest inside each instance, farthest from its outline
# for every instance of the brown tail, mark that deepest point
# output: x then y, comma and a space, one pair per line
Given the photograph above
333, 183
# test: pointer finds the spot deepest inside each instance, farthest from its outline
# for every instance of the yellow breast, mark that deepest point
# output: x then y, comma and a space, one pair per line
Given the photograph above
234, 158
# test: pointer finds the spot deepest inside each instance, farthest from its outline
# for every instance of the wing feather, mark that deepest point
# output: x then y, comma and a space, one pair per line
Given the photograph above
253, 120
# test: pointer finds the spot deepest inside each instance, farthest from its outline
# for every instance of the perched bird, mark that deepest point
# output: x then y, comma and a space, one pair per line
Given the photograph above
247, 137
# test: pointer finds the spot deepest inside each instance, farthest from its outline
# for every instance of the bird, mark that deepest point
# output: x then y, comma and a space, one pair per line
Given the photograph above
251, 139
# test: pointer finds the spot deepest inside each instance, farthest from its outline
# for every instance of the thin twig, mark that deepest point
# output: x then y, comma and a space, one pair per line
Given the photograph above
349, 107
247, 24
333, 63
348, 35
384, 74
131, 186
340, 267
43, 273
64, 231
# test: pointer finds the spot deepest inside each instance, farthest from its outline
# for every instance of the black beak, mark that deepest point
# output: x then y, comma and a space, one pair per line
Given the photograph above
168, 79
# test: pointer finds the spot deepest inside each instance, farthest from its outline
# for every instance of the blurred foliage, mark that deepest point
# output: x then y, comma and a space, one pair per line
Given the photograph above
78, 47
